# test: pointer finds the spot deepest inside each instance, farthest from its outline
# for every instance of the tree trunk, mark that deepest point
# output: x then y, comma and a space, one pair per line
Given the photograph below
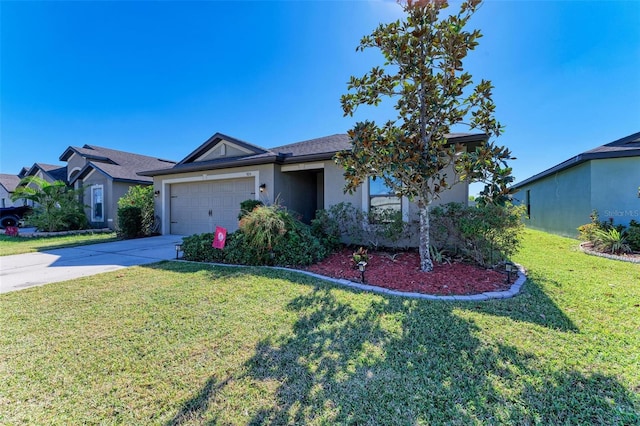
426, 264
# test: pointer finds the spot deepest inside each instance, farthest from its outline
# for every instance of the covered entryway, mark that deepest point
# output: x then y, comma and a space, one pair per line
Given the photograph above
198, 207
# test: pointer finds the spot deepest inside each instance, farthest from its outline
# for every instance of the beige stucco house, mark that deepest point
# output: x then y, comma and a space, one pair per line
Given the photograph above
106, 174
205, 189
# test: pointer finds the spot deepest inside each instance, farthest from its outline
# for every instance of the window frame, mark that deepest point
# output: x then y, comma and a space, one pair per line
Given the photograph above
94, 217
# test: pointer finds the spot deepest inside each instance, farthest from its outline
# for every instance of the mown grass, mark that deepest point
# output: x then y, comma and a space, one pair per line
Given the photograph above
19, 245
182, 343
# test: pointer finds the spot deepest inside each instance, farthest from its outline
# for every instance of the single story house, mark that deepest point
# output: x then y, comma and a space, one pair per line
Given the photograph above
605, 179
205, 189
106, 174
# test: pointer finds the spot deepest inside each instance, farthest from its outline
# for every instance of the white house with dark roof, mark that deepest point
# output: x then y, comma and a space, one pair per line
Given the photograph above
106, 174
606, 179
205, 189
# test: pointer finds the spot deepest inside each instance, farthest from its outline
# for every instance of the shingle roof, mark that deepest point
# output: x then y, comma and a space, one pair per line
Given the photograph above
119, 165
629, 146
55, 172
317, 149
10, 182
325, 145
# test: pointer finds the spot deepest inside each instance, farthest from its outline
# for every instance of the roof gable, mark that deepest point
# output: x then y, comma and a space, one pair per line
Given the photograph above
115, 164
9, 182
53, 172
220, 147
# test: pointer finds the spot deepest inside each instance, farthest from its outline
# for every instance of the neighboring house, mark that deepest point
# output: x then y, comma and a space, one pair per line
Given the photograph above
48, 172
206, 188
106, 174
8, 184
606, 179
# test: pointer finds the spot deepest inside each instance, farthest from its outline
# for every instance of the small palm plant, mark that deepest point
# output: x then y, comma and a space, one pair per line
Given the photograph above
611, 240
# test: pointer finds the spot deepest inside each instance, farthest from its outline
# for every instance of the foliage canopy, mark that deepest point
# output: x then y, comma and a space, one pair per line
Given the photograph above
423, 70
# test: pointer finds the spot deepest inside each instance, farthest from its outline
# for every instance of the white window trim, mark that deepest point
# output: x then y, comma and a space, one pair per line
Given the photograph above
93, 210
165, 184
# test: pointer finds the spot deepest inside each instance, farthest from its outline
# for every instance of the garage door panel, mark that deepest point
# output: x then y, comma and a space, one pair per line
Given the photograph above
192, 201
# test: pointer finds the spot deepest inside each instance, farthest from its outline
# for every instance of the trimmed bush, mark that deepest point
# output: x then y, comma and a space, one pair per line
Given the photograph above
130, 221
141, 197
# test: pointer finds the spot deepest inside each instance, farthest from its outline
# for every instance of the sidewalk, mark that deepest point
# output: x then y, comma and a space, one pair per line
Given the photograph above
49, 266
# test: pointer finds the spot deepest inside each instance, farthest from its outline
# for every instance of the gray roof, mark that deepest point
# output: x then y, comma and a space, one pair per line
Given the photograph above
118, 165
55, 172
9, 182
629, 146
317, 149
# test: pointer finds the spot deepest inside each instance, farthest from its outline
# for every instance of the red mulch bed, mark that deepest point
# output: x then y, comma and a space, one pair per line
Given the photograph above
402, 273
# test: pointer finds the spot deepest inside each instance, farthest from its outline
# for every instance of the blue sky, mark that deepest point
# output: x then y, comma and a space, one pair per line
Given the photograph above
159, 78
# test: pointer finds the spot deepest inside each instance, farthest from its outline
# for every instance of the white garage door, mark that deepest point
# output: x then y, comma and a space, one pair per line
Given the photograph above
198, 207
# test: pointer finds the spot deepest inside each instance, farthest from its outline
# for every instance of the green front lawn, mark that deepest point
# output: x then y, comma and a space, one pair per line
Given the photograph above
20, 245
181, 343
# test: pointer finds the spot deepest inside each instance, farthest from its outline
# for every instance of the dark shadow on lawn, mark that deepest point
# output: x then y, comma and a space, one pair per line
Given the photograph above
343, 366
531, 305
391, 360
195, 407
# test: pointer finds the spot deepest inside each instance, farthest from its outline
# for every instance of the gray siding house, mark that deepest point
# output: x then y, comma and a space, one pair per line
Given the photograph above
106, 174
606, 179
205, 189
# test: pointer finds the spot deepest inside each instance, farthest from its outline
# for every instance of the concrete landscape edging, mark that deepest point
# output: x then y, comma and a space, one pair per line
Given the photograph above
506, 294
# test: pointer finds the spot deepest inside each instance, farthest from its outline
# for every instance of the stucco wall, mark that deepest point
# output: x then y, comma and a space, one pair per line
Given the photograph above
614, 184
334, 187
74, 164
561, 202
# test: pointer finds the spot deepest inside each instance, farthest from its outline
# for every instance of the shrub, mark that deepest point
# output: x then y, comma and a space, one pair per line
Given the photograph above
343, 221
141, 197
485, 234
247, 206
326, 230
275, 236
130, 221
58, 208
611, 240
268, 235
199, 248
633, 235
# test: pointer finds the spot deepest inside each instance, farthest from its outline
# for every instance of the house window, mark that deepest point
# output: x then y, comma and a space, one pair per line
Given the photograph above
528, 203
97, 203
382, 198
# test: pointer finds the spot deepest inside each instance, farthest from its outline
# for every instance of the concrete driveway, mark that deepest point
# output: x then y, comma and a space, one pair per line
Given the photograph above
50, 266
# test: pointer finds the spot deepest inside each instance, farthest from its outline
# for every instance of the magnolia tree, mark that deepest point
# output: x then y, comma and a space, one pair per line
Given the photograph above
423, 71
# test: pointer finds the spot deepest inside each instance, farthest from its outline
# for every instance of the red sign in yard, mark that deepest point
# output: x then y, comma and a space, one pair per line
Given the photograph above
219, 238
11, 230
